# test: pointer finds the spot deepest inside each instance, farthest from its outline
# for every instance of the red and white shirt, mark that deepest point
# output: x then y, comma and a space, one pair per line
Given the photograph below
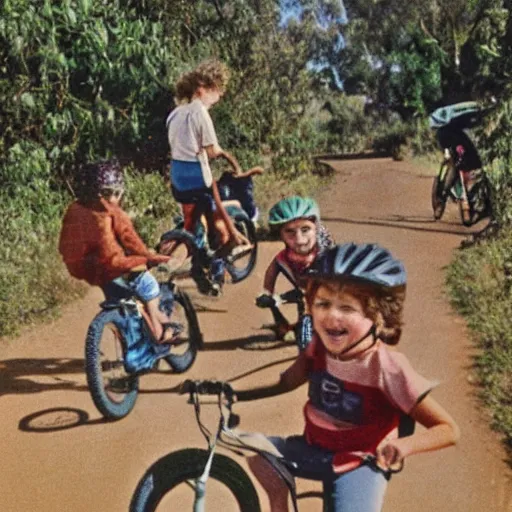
354, 404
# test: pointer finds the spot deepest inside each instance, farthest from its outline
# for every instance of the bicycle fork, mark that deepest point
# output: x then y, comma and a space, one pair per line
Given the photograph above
200, 490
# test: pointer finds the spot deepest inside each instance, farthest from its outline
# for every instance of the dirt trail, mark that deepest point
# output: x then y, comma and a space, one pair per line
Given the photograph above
93, 466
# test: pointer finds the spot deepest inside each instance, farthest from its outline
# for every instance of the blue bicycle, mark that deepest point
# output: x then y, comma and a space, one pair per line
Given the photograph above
119, 348
190, 253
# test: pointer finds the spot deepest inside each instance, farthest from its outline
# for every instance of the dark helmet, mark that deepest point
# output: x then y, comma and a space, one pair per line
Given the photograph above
99, 177
292, 208
367, 263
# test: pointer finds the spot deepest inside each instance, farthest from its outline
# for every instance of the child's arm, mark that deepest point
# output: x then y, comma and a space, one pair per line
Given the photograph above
233, 232
131, 242
213, 151
270, 278
441, 431
296, 375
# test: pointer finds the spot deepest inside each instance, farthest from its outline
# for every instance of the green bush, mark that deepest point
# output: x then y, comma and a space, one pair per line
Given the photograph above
480, 284
33, 280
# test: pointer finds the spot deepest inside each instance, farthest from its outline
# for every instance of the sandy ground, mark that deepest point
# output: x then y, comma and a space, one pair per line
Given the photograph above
59, 455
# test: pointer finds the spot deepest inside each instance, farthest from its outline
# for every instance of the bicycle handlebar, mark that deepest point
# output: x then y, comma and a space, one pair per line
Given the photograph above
208, 387
294, 296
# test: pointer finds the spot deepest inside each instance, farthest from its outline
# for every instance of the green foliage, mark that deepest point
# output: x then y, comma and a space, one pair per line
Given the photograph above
348, 125
149, 202
496, 144
480, 284
32, 281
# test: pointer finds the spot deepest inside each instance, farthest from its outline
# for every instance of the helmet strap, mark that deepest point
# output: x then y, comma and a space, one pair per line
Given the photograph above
372, 331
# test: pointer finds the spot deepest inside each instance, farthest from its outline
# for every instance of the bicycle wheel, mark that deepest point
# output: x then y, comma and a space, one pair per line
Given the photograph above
180, 245
169, 484
480, 198
438, 202
183, 354
242, 265
112, 389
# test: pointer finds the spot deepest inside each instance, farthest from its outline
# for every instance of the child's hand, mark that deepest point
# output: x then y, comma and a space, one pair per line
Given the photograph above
389, 456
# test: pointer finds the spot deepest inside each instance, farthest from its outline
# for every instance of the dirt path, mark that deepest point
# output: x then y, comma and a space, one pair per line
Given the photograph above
92, 466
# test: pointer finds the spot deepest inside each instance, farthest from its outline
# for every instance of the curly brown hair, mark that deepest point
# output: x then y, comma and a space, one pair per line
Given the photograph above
209, 73
383, 307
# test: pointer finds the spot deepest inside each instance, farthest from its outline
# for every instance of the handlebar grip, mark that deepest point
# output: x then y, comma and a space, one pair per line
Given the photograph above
265, 301
207, 387
294, 295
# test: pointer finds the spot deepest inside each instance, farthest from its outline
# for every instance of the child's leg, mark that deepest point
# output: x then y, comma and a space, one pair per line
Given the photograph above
147, 289
155, 317
359, 490
271, 482
190, 216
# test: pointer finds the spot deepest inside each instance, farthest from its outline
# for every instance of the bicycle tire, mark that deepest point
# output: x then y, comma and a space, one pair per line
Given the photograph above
480, 198
184, 354
180, 245
113, 390
188, 464
438, 203
241, 268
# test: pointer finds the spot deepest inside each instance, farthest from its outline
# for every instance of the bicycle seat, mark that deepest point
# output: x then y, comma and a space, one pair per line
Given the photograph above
256, 441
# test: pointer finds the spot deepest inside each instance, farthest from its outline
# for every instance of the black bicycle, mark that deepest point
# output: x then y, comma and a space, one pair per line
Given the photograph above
303, 329
474, 201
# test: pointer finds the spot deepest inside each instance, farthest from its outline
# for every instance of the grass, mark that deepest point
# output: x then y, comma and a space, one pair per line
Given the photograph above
479, 281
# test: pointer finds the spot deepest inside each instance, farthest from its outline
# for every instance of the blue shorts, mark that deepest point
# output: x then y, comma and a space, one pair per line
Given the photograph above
359, 490
142, 284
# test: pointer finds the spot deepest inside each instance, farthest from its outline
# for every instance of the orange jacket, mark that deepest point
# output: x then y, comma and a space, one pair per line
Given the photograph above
99, 243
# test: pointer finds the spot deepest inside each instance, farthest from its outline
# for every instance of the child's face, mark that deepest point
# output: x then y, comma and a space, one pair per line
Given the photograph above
209, 95
339, 319
114, 197
299, 236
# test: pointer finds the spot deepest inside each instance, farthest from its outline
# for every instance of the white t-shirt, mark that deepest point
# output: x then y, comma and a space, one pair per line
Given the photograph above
189, 130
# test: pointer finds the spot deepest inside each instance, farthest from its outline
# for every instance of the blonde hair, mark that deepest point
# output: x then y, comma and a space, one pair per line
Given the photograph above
209, 73
383, 307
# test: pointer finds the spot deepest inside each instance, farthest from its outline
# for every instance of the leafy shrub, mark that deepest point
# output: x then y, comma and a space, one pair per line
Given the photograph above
392, 139
480, 284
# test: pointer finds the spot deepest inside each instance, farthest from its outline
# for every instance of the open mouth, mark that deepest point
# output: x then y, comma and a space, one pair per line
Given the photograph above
336, 333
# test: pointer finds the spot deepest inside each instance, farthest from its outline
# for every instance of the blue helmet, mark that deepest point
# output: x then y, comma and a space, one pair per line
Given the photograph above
366, 263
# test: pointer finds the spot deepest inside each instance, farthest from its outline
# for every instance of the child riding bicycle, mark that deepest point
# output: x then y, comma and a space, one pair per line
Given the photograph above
359, 389
460, 154
297, 219
99, 244
193, 142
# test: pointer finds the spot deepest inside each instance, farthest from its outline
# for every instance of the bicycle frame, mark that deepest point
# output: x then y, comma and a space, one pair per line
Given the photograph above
227, 420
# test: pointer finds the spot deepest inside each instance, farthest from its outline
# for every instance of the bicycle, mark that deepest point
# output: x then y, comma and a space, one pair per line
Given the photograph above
191, 254
119, 348
303, 329
474, 202
193, 466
